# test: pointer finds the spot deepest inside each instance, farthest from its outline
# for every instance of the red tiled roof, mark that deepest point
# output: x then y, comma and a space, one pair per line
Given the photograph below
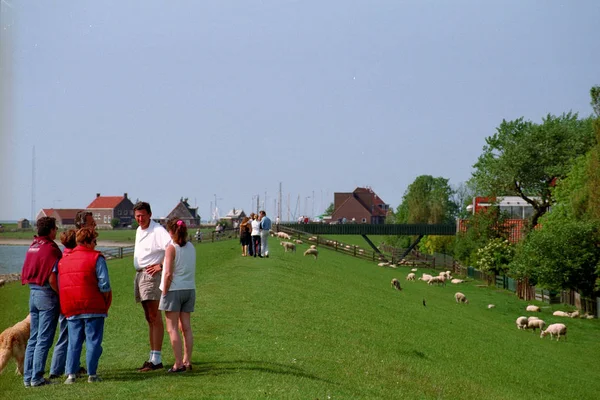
106, 202
48, 211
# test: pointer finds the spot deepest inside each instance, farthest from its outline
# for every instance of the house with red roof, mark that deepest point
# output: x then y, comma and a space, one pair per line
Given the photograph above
65, 217
107, 208
362, 206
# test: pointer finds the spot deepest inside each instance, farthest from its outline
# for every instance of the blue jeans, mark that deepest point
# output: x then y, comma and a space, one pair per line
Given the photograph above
92, 330
44, 309
59, 357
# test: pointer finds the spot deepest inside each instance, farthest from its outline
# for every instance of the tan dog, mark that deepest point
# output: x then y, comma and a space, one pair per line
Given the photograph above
13, 342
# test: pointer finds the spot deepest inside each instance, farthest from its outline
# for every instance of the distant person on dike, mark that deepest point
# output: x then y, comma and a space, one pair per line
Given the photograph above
265, 226
85, 297
245, 239
40, 261
83, 219
178, 287
255, 234
151, 242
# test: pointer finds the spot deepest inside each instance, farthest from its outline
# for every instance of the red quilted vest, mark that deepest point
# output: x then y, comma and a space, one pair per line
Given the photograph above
78, 285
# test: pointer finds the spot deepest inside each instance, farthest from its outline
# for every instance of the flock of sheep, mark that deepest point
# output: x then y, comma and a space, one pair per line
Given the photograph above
291, 246
524, 323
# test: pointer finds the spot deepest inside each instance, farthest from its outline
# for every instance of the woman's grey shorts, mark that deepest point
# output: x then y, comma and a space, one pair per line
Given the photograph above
178, 301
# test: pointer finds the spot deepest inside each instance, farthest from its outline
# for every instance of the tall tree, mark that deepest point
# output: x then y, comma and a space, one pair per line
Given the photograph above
525, 159
427, 200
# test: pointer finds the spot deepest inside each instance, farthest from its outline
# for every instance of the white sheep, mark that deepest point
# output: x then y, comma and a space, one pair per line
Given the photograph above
283, 235
396, 284
533, 308
561, 314
410, 277
412, 270
532, 318
312, 246
298, 241
456, 281
555, 329
574, 314
535, 323
491, 306
587, 316
522, 322
288, 246
313, 252
461, 298
425, 277
437, 279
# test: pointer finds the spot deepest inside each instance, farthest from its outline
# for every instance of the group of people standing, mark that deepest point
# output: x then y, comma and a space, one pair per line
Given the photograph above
72, 289
254, 235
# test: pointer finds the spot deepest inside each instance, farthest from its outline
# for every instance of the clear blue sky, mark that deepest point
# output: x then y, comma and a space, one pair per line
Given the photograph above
164, 99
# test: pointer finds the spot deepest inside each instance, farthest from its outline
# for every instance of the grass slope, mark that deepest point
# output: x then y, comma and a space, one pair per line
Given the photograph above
294, 328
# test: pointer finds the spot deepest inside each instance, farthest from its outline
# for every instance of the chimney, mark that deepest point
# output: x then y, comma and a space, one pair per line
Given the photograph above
97, 195
125, 195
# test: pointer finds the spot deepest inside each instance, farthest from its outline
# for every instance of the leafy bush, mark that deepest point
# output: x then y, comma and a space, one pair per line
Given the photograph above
495, 256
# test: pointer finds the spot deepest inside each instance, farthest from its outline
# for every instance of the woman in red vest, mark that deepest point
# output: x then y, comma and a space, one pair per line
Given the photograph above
85, 297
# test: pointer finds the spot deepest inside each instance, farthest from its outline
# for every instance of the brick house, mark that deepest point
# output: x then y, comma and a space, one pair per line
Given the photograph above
105, 208
65, 217
184, 212
362, 206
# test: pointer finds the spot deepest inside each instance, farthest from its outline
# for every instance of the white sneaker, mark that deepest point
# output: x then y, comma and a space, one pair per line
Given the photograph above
70, 380
94, 378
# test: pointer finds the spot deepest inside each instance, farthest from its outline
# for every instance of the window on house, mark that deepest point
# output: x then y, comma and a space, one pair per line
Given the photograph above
364, 220
118, 212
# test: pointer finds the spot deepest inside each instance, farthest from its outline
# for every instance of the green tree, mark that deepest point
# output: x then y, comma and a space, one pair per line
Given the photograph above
495, 256
480, 228
524, 159
561, 255
463, 195
330, 209
427, 200
115, 222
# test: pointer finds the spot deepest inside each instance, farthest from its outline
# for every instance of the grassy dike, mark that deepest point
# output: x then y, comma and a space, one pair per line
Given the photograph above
289, 327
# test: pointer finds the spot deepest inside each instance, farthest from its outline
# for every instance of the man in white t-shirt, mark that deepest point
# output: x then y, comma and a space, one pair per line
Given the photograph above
151, 241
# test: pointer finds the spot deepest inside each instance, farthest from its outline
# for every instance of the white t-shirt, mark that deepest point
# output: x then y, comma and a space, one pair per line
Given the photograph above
255, 228
150, 245
184, 270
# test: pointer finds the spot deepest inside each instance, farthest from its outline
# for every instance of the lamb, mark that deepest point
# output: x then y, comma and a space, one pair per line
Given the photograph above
555, 329
532, 308
522, 323
561, 314
574, 314
396, 284
461, 298
298, 241
456, 281
313, 252
410, 277
535, 323
288, 246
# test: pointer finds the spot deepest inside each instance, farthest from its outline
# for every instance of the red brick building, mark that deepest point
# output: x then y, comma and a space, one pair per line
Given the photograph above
65, 217
105, 208
363, 206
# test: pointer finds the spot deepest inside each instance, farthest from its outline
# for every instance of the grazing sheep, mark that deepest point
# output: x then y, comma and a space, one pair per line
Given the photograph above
535, 323
461, 298
312, 238
532, 318
561, 314
288, 246
425, 277
491, 306
412, 270
396, 284
284, 235
312, 246
445, 274
456, 281
587, 316
555, 329
298, 241
437, 279
410, 277
522, 322
533, 308
313, 252
574, 314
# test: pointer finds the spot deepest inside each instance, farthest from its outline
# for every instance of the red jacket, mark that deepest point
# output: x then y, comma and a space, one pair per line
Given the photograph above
39, 261
78, 284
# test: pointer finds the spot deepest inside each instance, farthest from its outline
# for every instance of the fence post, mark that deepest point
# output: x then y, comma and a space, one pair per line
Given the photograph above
120, 252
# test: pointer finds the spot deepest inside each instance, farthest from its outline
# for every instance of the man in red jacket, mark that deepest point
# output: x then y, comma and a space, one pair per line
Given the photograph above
85, 297
40, 260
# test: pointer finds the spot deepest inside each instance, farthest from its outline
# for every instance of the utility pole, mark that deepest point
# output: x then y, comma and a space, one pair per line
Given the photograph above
257, 203
313, 204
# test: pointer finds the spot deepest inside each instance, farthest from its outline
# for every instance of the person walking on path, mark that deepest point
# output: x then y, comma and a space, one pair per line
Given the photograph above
85, 297
178, 287
151, 242
41, 259
265, 226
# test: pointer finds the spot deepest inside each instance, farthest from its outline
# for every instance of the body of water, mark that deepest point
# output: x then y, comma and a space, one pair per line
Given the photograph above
12, 258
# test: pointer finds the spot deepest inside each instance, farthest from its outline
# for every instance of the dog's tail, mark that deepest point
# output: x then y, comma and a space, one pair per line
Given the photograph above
5, 355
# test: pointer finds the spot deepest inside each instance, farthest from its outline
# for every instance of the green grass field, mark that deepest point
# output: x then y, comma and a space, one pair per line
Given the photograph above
290, 327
